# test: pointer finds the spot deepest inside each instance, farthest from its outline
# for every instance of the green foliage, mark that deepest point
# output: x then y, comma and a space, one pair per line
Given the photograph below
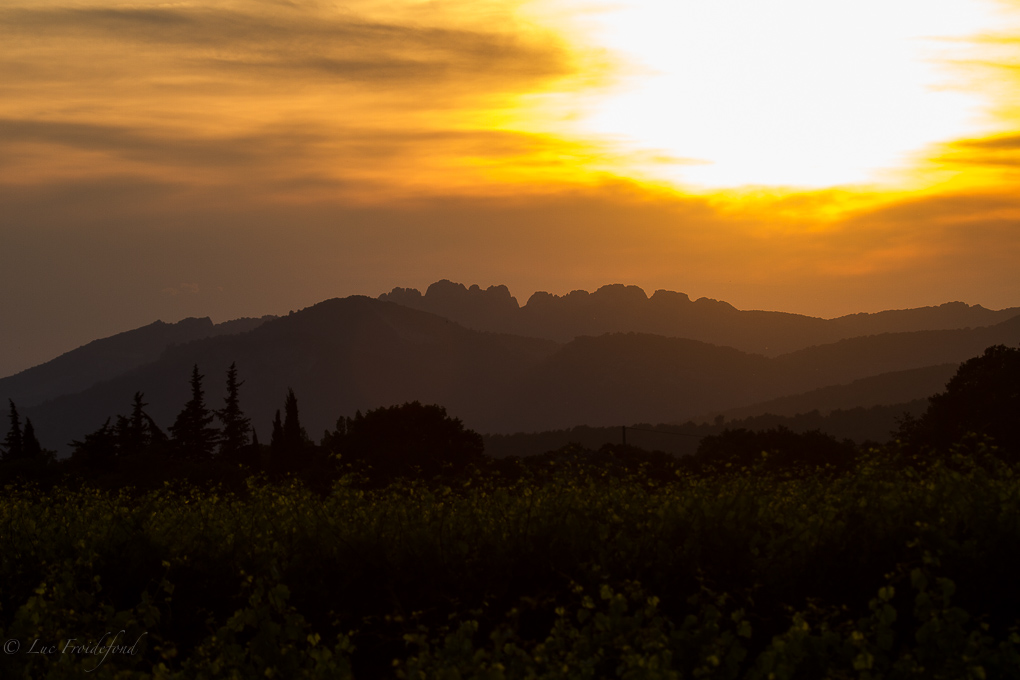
776, 447
567, 570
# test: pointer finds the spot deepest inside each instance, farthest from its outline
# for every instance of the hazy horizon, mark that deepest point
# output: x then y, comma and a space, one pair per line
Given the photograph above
521, 300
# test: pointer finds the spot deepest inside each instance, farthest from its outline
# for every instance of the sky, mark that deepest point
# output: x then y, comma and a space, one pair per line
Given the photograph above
160, 160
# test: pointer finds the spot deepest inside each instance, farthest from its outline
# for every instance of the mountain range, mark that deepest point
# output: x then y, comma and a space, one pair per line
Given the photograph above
505, 368
619, 309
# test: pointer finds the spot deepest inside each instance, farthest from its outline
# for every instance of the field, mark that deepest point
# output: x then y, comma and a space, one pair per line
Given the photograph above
892, 566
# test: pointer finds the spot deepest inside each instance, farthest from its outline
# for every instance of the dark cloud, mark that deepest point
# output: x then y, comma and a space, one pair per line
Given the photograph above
998, 151
167, 148
333, 45
304, 156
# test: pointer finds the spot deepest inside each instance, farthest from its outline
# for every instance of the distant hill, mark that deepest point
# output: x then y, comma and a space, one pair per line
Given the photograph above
358, 353
948, 316
619, 309
339, 356
858, 424
854, 358
109, 357
897, 387
627, 378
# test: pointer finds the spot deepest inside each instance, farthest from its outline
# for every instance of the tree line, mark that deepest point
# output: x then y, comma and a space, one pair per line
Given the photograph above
422, 441
411, 438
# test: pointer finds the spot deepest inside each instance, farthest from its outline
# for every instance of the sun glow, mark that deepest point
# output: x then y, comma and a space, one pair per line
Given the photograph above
795, 93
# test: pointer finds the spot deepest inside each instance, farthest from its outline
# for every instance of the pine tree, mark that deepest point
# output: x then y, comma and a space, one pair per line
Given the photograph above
191, 432
158, 441
14, 442
30, 446
133, 435
234, 436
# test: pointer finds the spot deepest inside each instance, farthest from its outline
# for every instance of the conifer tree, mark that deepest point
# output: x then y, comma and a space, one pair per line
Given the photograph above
14, 442
158, 441
294, 435
289, 443
252, 455
191, 432
30, 446
99, 448
234, 435
133, 433
277, 447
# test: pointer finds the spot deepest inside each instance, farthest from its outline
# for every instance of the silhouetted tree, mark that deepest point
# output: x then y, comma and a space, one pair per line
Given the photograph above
134, 434
98, 449
157, 439
30, 446
333, 441
983, 397
253, 452
234, 434
191, 432
293, 434
289, 445
277, 447
14, 441
411, 439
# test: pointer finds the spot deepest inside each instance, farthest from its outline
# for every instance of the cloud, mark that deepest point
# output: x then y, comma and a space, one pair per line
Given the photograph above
260, 98
290, 41
995, 153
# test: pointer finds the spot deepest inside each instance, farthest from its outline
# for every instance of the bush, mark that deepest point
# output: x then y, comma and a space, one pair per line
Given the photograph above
983, 396
410, 440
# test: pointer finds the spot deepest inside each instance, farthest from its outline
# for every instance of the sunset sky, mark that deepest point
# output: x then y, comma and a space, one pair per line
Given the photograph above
160, 160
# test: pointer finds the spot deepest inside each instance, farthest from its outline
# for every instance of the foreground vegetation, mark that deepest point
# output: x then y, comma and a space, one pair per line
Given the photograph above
395, 548
896, 565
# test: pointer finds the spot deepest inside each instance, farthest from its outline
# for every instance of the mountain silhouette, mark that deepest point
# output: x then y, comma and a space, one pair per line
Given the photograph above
359, 353
109, 357
618, 308
339, 356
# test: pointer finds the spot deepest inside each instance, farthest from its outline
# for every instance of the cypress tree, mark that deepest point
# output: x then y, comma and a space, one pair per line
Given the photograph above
234, 435
276, 438
14, 442
191, 432
294, 435
277, 447
30, 446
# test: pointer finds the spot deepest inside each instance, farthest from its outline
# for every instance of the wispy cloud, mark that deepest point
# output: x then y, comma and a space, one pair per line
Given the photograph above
283, 91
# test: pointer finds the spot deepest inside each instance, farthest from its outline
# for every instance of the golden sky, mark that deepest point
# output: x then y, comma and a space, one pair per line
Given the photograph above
242, 157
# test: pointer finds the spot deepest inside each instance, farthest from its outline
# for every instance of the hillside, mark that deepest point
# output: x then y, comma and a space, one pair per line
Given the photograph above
107, 358
340, 355
897, 387
358, 353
